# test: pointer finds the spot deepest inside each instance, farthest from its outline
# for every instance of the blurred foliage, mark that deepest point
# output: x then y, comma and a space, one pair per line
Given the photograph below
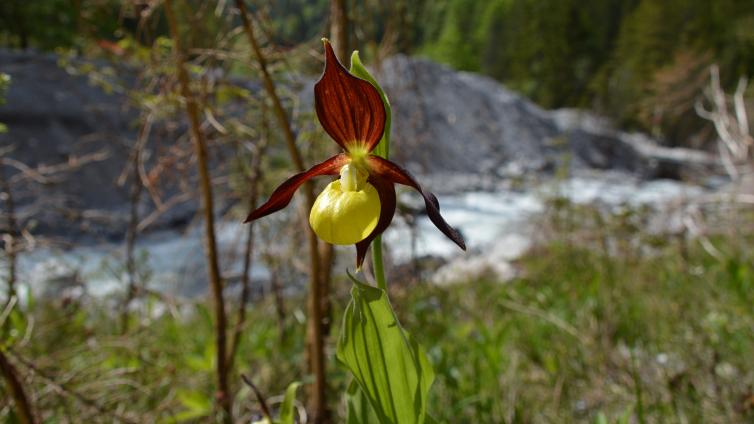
633, 60
611, 55
296, 21
50, 24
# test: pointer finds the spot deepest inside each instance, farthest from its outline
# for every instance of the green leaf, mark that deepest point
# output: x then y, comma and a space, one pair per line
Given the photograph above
359, 409
287, 409
626, 417
358, 69
205, 361
197, 405
391, 369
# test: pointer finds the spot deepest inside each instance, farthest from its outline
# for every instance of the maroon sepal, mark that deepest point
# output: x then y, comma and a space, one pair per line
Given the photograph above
394, 173
284, 193
349, 108
386, 190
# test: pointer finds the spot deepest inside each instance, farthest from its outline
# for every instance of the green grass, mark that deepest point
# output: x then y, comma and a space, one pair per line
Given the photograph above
583, 335
666, 336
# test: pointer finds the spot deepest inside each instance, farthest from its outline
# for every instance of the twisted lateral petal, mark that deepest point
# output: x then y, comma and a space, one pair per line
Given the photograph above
349, 109
386, 190
284, 193
394, 173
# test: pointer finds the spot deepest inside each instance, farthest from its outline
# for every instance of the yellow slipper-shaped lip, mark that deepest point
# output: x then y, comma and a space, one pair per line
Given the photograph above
345, 217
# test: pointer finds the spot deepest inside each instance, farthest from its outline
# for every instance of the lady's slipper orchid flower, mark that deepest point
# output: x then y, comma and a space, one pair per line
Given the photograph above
360, 205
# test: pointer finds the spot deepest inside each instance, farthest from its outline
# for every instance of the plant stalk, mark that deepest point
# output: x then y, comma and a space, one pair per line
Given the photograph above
379, 268
315, 337
133, 224
24, 410
10, 238
223, 397
254, 180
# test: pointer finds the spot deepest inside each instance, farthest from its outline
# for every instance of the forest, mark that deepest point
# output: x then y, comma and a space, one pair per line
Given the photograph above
357, 211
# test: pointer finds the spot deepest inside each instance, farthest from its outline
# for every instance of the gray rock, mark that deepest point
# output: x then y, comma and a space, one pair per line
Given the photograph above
462, 129
598, 145
494, 262
54, 117
458, 122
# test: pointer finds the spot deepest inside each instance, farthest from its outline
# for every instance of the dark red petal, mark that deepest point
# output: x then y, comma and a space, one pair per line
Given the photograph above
392, 172
284, 193
349, 108
386, 190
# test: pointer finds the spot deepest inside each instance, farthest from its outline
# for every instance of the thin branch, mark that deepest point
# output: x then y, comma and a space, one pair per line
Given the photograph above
9, 239
23, 406
315, 339
44, 174
260, 398
255, 179
738, 101
133, 223
734, 140
223, 397
161, 209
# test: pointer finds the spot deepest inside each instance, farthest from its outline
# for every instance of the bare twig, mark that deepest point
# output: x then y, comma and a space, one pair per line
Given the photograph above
691, 220
161, 209
47, 174
9, 305
133, 219
255, 179
15, 387
9, 238
260, 397
277, 293
224, 399
315, 339
734, 139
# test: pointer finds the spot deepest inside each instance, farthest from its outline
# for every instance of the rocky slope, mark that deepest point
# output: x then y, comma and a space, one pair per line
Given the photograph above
465, 123
466, 130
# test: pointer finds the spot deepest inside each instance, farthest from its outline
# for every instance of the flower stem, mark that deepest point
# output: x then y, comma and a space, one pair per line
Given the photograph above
382, 150
379, 270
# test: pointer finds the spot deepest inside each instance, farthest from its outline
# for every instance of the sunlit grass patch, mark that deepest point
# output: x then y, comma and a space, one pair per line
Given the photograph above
585, 335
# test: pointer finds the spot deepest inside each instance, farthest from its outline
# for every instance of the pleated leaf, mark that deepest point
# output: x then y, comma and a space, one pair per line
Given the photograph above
391, 369
359, 409
287, 409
